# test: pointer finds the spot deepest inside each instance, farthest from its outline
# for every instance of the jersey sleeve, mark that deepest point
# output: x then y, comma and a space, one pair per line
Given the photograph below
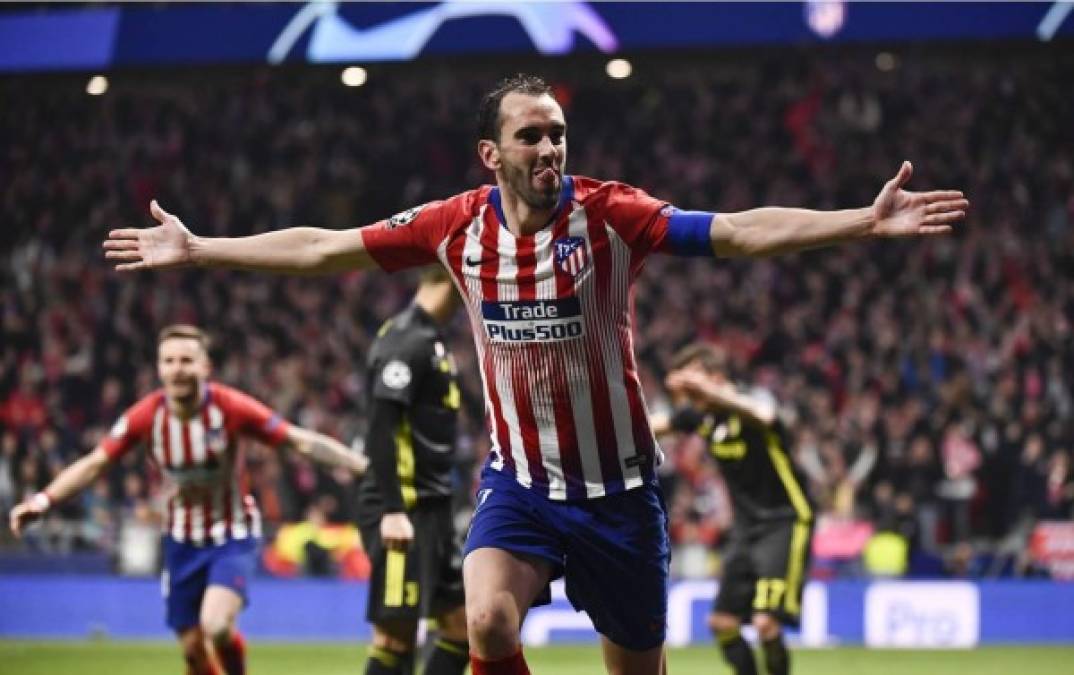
131, 429
411, 238
648, 224
399, 368
252, 417
641, 220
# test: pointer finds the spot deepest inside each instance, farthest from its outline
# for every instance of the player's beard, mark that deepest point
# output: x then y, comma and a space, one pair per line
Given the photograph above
520, 180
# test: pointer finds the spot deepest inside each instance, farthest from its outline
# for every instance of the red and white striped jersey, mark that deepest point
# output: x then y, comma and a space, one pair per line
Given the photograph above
552, 317
200, 458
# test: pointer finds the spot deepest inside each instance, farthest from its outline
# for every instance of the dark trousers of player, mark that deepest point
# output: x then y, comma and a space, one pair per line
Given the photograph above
423, 581
763, 574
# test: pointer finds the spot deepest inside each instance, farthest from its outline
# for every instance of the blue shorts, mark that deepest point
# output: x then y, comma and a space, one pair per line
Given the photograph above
612, 551
189, 570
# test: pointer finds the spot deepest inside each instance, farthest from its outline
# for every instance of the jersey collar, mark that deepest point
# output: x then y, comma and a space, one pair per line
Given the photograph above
565, 197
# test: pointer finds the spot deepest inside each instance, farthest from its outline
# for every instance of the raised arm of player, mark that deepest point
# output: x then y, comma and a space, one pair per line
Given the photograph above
72, 480
719, 396
297, 250
894, 213
325, 450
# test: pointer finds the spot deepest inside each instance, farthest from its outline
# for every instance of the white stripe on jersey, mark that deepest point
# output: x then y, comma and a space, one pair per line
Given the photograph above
503, 363
543, 387
179, 518
175, 438
199, 450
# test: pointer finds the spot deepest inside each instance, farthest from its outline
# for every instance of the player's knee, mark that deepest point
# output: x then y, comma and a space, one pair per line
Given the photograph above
216, 628
493, 625
724, 624
768, 626
192, 642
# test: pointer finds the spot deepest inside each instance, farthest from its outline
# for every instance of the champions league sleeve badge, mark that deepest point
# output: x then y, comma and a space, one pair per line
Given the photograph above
404, 217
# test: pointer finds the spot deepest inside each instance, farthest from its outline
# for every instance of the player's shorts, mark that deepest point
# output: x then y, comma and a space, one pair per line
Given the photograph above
423, 581
189, 570
764, 569
612, 551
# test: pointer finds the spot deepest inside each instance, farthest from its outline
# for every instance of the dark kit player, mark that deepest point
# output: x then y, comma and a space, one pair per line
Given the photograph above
767, 552
405, 502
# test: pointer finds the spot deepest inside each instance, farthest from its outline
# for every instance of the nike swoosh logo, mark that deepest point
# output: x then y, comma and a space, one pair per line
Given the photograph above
474, 262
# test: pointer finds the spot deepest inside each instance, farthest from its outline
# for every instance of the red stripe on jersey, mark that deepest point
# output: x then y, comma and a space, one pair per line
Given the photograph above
566, 433
520, 385
454, 252
166, 437
607, 445
211, 458
490, 227
188, 448
188, 459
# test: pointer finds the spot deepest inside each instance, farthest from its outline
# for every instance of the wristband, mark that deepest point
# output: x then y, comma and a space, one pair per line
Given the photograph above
41, 502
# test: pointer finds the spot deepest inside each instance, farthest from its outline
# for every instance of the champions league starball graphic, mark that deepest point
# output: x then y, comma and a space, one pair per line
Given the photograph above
550, 26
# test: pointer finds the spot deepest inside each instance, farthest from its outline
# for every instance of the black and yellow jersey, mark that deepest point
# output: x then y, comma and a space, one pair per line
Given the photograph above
413, 377
754, 460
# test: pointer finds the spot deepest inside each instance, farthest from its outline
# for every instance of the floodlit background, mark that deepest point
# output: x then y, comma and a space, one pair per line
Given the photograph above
931, 381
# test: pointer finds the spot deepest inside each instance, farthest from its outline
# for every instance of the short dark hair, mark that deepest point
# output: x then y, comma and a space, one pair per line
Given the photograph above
185, 331
488, 115
710, 357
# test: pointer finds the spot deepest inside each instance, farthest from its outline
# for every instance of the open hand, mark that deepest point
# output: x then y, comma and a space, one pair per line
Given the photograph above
898, 213
22, 515
166, 245
396, 531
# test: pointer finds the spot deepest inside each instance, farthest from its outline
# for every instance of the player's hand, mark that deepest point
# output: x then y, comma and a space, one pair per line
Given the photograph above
166, 245
687, 381
898, 213
23, 514
396, 531
359, 460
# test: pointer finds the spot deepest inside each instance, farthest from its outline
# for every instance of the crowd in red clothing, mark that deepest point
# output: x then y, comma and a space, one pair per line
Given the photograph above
928, 382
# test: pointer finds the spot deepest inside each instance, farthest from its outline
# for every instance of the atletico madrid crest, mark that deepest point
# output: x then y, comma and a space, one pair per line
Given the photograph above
571, 255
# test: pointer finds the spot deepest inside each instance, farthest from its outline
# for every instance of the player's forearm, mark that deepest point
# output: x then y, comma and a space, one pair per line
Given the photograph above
297, 250
383, 453
77, 476
772, 230
326, 450
728, 398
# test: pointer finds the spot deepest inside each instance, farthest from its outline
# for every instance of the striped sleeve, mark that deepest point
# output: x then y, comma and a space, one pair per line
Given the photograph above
131, 428
251, 417
641, 220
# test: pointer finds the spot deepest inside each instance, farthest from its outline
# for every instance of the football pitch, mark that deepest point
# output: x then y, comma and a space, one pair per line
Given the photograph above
130, 658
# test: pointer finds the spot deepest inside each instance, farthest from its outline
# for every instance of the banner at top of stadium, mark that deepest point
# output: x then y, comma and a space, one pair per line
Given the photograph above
64, 38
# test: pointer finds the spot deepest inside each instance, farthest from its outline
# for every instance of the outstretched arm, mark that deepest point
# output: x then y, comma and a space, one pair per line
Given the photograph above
70, 481
297, 250
325, 450
894, 213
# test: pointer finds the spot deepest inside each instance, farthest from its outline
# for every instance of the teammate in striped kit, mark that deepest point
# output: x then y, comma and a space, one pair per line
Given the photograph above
190, 428
545, 263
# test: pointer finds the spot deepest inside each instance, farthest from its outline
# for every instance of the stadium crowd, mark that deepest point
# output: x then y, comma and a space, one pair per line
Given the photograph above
928, 384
